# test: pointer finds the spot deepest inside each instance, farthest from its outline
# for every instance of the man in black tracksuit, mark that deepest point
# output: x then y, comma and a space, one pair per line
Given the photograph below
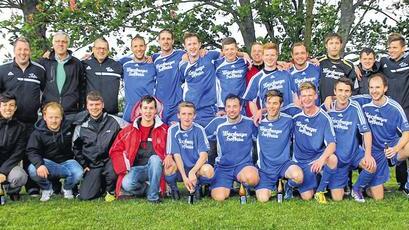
25, 80
49, 150
368, 66
103, 74
12, 145
65, 77
396, 69
93, 136
333, 66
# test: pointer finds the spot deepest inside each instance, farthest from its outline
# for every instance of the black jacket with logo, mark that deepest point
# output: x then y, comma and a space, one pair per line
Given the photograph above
12, 144
105, 78
25, 86
93, 138
46, 144
73, 93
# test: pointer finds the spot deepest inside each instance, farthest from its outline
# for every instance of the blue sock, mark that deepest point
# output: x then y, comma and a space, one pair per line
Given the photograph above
171, 180
364, 179
293, 184
205, 180
326, 178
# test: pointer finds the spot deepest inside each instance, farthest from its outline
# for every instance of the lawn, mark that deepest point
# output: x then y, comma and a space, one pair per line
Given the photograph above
392, 213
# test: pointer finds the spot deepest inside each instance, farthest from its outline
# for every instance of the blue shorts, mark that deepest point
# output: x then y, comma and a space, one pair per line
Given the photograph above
340, 179
310, 179
169, 114
225, 176
205, 115
382, 170
268, 180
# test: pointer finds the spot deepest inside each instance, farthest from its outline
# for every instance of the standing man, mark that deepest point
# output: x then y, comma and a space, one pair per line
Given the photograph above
50, 152
333, 66
12, 147
168, 78
367, 66
267, 79
138, 152
188, 144
314, 144
103, 74
64, 77
273, 142
396, 69
93, 136
256, 54
25, 80
199, 79
234, 134
349, 125
303, 70
139, 77
230, 73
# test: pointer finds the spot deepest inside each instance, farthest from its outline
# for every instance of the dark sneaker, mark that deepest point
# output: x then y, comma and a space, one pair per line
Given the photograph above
198, 193
158, 201
347, 190
175, 194
33, 192
357, 195
15, 197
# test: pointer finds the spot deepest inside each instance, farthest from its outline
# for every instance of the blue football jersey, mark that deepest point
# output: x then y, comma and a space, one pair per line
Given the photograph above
348, 123
200, 80
168, 79
387, 122
310, 73
139, 81
262, 82
273, 141
311, 135
230, 79
234, 140
187, 143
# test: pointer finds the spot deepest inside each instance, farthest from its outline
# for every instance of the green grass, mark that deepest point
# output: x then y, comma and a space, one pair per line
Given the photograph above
391, 213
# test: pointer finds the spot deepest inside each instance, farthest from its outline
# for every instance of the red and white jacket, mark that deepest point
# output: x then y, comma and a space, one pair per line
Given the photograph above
125, 148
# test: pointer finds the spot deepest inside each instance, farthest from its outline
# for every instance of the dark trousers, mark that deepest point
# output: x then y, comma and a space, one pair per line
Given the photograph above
97, 181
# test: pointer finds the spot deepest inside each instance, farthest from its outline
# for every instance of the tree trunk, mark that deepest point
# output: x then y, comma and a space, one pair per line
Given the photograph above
246, 27
346, 21
29, 8
308, 23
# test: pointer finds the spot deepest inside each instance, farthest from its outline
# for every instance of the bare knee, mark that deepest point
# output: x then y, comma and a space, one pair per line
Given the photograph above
263, 195
249, 175
295, 173
206, 171
337, 194
307, 195
332, 161
220, 194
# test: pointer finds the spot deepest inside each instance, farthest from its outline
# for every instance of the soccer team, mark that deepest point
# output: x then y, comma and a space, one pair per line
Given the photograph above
207, 118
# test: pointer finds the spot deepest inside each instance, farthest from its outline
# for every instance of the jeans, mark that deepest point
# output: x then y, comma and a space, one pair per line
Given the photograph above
134, 181
70, 170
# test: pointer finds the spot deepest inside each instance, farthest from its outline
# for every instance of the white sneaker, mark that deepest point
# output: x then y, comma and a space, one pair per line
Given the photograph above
68, 194
46, 195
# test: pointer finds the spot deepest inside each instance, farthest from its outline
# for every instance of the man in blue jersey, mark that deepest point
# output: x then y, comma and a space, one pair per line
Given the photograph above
234, 134
267, 79
199, 75
314, 144
188, 144
303, 70
168, 78
349, 121
273, 145
230, 73
139, 76
396, 69
390, 131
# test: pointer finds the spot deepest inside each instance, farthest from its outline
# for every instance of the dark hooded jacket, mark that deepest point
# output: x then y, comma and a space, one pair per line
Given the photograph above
12, 144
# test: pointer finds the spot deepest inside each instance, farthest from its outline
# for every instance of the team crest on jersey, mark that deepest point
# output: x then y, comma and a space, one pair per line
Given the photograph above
10, 74
88, 68
109, 69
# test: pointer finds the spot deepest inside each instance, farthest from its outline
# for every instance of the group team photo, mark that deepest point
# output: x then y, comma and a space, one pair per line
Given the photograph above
197, 124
